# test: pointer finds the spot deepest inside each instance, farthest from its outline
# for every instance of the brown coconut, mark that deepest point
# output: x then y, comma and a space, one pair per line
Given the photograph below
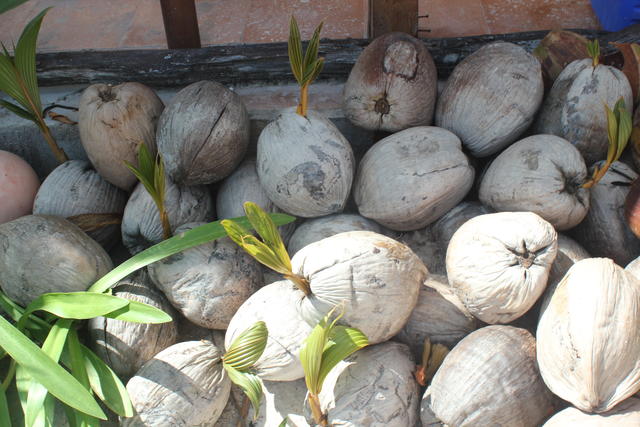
411, 178
141, 226
574, 110
203, 133
126, 346
491, 378
113, 121
491, 97
42, 253
392, 85
74, 190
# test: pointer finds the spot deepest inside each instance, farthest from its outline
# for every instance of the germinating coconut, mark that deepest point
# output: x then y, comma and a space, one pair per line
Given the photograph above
305, 164
282, 399
392, 85
498, 264
203, 133
75, 191
207, 283
43, 253
587, 353
491, 97
372, 387
491, 379
376, 278
625, 414
141, 226
542, 174
411, 178
184, 385
113, 121
126, 346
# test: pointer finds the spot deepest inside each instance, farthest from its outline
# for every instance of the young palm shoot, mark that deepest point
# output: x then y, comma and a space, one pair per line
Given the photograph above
432, 357
326, 346
19, 81
305, 69
270, 251
239, 360
151, 174
619, 129
593, 49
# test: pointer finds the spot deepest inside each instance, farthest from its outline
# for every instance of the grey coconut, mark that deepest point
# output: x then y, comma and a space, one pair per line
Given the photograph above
625, 414
42, 253
203, 134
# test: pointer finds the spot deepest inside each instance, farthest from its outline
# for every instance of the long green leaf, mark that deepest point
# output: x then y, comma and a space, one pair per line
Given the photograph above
311, 354
138, 312
9, 82
265, 227
612, 126
625, 127
315, 71
188, 239
247, 348
284, 422
52, 346
250, 383
25, 58
79, 371
18, 111
311, 54
346, 341
38, 365
294, 48
106, 384
5, 418
6, 5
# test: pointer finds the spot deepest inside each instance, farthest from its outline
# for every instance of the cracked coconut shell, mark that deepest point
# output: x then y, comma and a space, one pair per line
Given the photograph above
392, 85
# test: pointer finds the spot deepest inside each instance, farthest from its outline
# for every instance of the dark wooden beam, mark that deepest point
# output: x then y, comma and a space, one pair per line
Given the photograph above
180, 23
386, 16
255, 63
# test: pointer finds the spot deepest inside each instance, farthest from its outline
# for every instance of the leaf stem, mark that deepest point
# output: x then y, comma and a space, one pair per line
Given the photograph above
164, 219
319, 416
58, 152
300, 282
304, 99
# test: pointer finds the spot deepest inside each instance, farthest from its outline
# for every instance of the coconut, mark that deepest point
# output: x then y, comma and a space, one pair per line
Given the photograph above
604, 231
282, 399
498, 264
113, 121
491, 97
445, 227
634, 267
209, 282
411, 178
491, 378
392, 85
427, 417
573, 108
141, 226
586, 354
439, 316
42, 253
126, 346
372, 387
626, 414
183, 385
18, 187
542, 174
319, 228
74, 190
305, 165
203, 133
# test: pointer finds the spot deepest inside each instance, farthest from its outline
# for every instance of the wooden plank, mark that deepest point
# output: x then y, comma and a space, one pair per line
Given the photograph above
180, 23
386, 16
255, 63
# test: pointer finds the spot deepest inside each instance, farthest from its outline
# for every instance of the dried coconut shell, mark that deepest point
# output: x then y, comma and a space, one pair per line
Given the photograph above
625, 414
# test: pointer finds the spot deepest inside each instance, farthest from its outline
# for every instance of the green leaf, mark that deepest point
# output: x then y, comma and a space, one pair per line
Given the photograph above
612, 126
6, 5
265, 227
79, 371
25, 58
138, 312
9, 82
52, 346
311, 55
18, 111
250, 384
311, 354
38, 365
294, 47
284, 422
346, 341
106, 384
625, 127
315, 71
593, 49
188, 239
5, 419
247, 348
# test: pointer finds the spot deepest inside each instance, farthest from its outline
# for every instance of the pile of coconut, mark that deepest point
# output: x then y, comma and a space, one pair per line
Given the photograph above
479, 243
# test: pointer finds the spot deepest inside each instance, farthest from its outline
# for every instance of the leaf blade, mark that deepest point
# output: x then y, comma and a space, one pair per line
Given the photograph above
346, 342
18, 111
139, 312
247, 348
294, 48
250, 384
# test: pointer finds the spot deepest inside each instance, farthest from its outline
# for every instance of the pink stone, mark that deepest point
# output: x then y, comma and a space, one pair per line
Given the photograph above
18, 187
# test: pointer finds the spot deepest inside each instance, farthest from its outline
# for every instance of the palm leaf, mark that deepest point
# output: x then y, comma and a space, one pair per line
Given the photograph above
18, 111
311, 54
250, 384
6, 5
265, 227
247, 348
345, 341
9, 82
294, 48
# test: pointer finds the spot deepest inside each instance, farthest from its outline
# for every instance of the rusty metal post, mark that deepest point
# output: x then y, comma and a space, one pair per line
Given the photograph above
392, 15
180, 23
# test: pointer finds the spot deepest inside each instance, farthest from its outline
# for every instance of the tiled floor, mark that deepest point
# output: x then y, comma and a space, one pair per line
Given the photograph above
118, 24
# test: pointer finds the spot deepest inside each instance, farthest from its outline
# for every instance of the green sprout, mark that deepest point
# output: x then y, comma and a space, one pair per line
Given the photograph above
593, 49
305, 70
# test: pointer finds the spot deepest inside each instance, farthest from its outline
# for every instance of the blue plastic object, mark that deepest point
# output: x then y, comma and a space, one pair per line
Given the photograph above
615, 15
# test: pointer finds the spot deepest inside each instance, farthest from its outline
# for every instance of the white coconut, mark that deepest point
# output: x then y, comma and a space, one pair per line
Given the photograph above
498, 264
604, 231
372, 387
209, 282
542, 174
427, 417
316, 229
587, 353
491, 97
625, 414
634, 267
305, 164
411, 178
491, 378
282, 399
573, 108
184, 385
429, 250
